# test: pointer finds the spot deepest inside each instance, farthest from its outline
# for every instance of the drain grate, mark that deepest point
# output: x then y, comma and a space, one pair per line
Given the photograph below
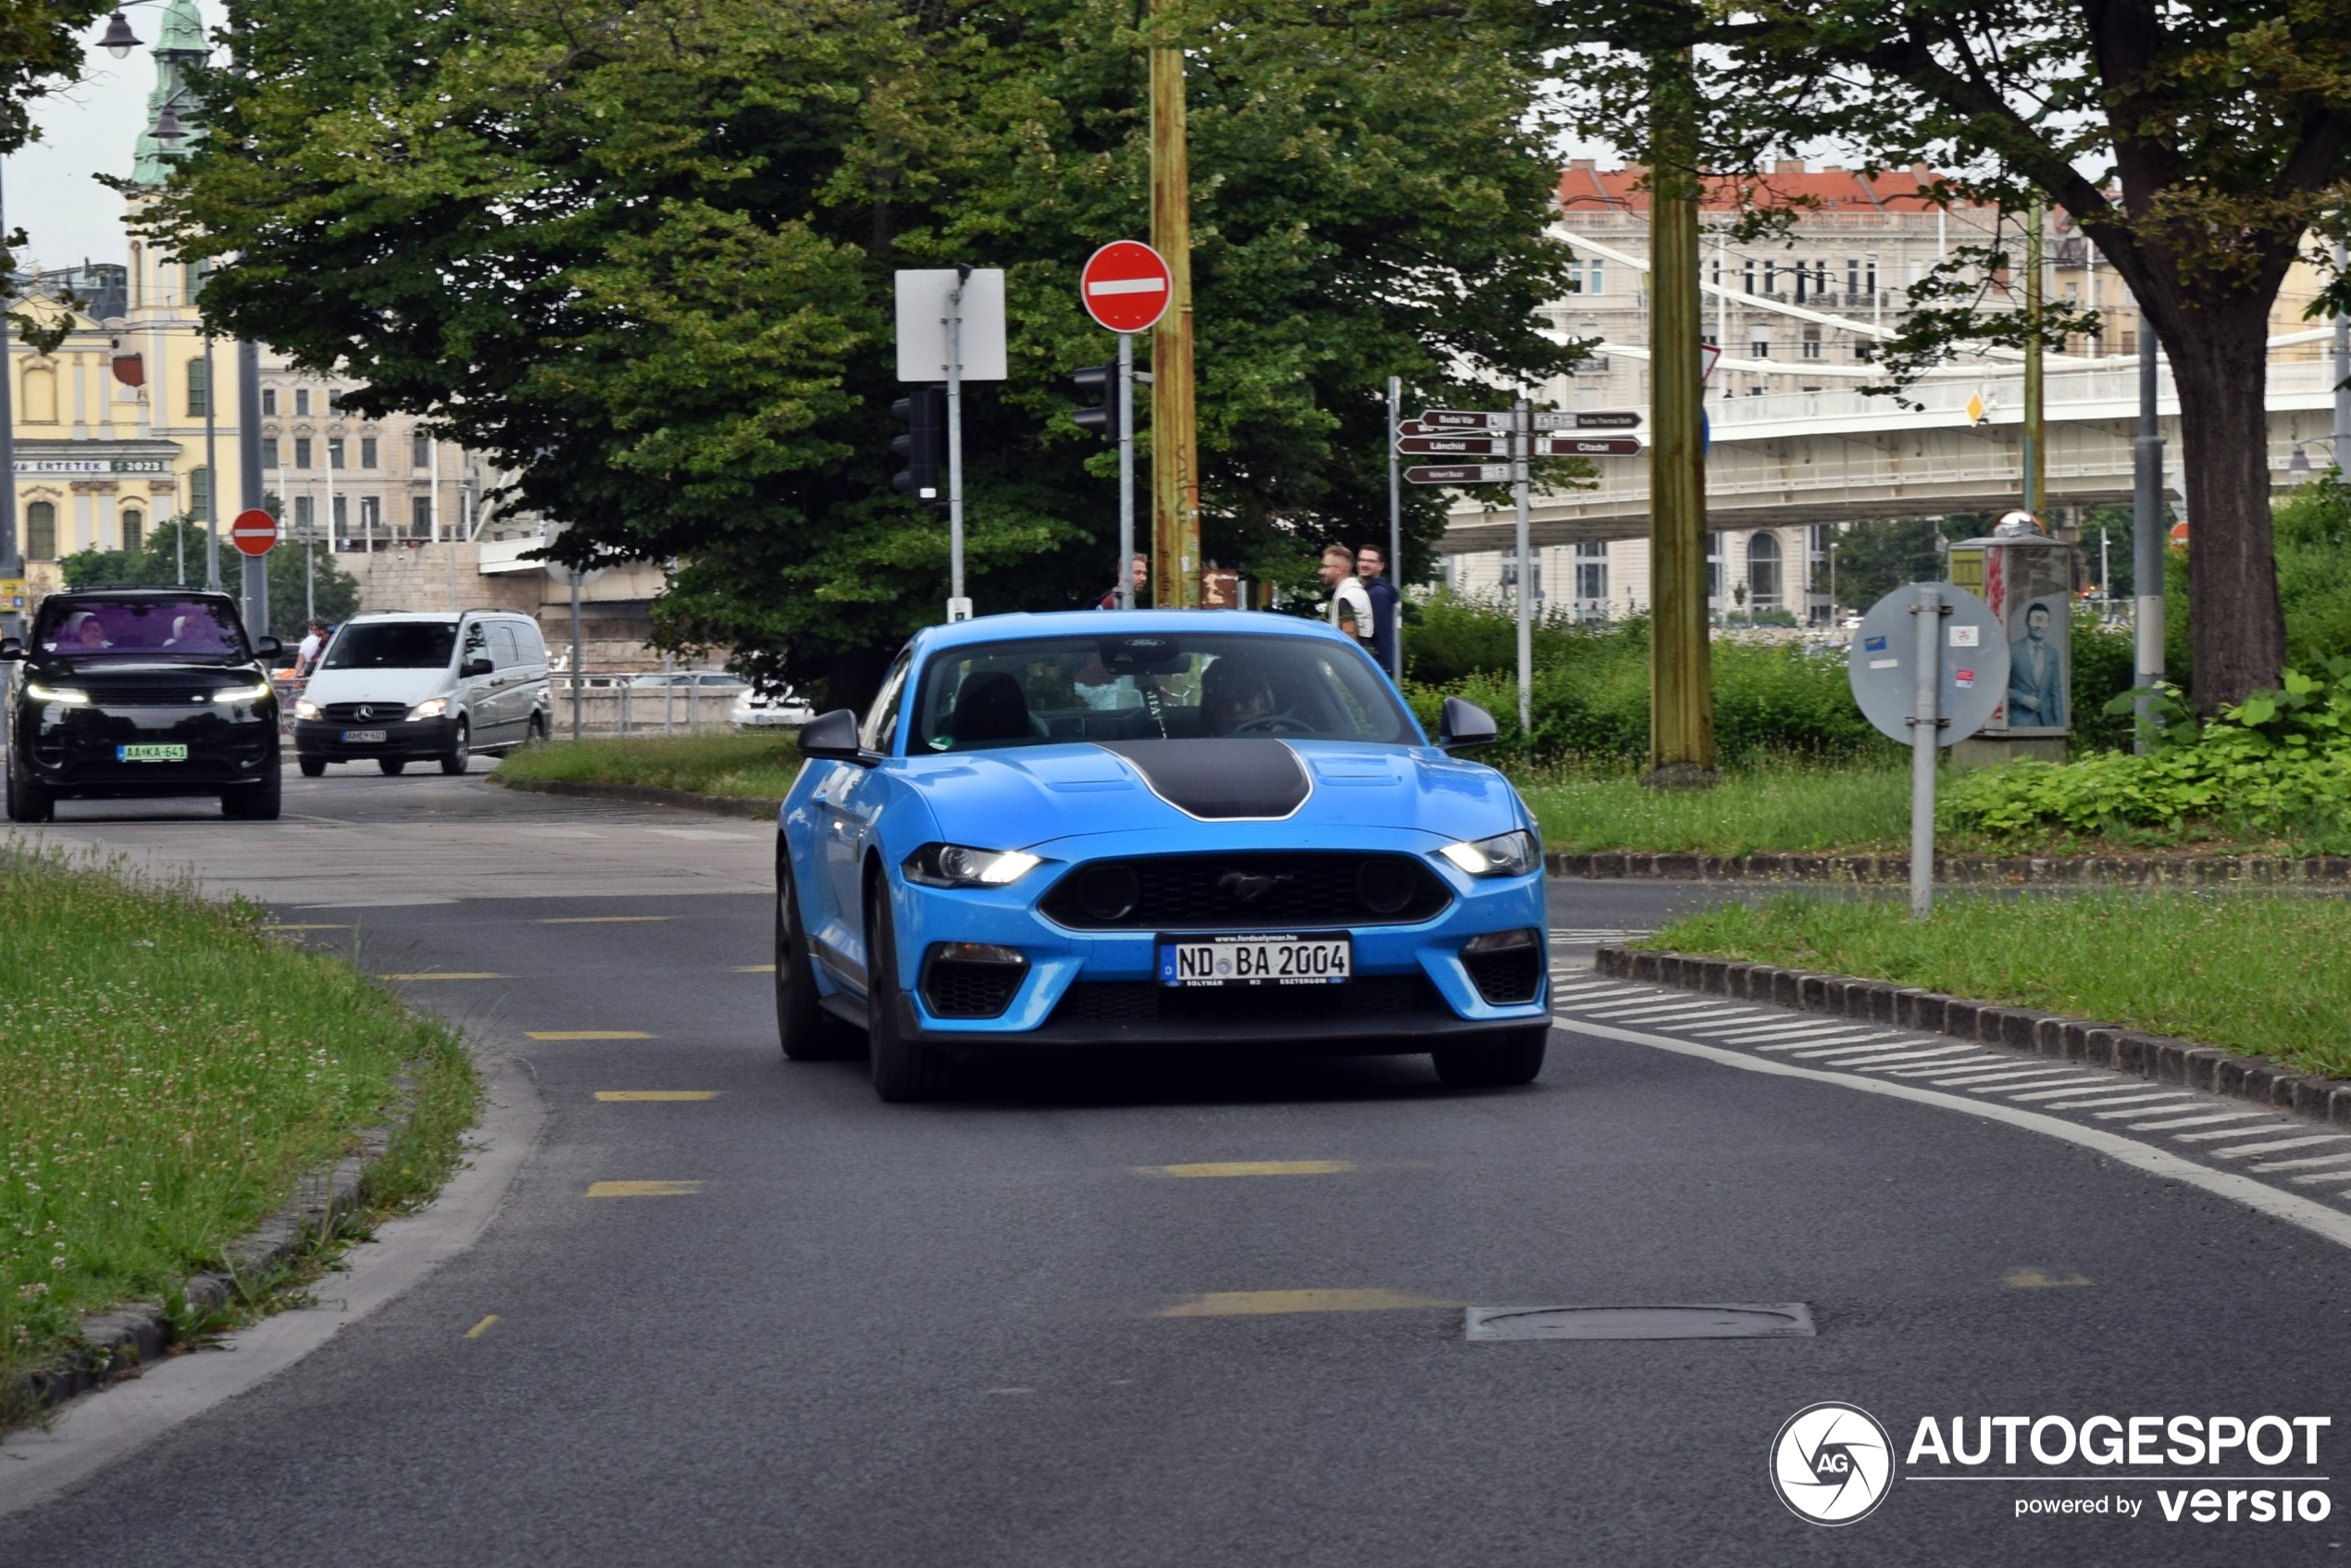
1766, 1320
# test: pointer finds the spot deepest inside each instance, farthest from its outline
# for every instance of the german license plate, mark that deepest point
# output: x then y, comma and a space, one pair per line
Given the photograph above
1257, 960
151, 753
363, 737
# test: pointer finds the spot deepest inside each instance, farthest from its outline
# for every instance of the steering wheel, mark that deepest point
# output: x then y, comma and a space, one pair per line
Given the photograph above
1272, 724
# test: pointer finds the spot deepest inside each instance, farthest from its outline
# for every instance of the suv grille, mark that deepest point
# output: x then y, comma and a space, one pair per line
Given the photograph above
1246, 890
1365, 996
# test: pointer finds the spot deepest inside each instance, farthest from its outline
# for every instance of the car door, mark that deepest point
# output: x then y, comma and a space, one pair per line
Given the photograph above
849, 807
477, 695
511, 684
529, 688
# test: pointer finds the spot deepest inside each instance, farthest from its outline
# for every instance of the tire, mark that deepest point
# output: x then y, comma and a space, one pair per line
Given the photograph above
1505, 1062
28, 801
258, 802
459, 757
393, 766
806, 1031
904, 1070
312, 767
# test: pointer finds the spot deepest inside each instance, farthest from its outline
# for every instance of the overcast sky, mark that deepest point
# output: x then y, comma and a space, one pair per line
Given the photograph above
89, 128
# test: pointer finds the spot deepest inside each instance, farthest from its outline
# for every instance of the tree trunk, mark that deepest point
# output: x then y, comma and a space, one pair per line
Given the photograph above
2219, 362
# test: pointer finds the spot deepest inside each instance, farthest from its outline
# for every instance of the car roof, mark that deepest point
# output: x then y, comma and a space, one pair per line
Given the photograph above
442, 618
1112, 623
78, 595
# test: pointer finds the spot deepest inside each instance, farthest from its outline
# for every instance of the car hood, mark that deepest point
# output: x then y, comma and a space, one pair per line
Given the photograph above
1019, 798
376, 685
98, 675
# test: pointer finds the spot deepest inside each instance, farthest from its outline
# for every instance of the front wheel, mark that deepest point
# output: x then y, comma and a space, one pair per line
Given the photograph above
807, 1032
28, 801
1504, 1062
460, 754
903, 1069
312, 767
393, 764
254, 802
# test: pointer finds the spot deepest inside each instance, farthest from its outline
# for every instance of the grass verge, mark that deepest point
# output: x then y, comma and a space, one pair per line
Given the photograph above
757, 766
168, 1069
1791, 809
2251, 972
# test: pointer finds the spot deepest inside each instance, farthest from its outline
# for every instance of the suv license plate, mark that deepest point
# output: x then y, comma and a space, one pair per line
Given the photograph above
151, 753
1257, 960
363, 737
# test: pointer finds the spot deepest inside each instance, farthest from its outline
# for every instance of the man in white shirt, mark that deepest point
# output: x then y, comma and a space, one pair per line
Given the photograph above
307, 655
1351, 606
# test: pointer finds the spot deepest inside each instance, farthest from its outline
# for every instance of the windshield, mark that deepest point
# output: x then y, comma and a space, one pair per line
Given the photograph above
140, 628
1155, 686
392, 645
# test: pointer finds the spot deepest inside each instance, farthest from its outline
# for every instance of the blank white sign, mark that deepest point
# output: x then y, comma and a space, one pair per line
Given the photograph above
922, 324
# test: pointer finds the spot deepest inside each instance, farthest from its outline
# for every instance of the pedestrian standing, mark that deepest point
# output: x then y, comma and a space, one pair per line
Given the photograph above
311, 646
1141, 568
1371, 568
1351, 606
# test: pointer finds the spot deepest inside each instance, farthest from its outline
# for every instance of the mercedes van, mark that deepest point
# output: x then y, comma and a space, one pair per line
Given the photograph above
400, 688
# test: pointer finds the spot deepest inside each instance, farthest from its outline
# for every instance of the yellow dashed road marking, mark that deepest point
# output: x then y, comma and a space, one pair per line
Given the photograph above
1252, 1168
448, 975
643, 1189
1258, 1303
632, 1096
479, 1329
603, 920
587, 1033
755, 969
2042, 1279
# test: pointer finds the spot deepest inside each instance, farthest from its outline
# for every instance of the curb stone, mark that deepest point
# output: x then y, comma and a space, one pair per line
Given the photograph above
2155, 1057
2177, 871
647, 795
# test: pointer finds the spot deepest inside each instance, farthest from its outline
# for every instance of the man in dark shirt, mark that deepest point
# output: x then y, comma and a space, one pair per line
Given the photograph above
1371, 566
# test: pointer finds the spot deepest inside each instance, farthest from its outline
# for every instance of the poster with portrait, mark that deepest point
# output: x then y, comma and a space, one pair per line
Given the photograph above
2028, 586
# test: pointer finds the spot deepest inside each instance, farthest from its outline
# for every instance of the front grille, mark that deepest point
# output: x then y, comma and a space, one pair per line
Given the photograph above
1510, 977
147, 696
960, 988
1365, 996
1246, 892
364, 713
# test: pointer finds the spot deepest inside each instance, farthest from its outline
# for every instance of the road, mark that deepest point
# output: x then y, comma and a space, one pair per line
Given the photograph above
1062, 1324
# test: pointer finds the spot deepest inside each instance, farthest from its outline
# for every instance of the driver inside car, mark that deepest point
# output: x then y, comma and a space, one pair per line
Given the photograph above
1234, 693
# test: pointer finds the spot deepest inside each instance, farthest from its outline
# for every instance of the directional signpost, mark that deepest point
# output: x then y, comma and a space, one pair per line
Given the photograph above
1126, 287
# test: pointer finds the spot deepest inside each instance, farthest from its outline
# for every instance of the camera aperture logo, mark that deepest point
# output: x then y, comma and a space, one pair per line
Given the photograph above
1832, 1464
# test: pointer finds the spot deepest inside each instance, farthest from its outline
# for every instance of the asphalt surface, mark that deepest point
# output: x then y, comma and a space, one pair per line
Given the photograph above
852, 1334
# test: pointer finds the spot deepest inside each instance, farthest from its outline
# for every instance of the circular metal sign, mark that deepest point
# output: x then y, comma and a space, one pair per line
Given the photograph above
255, 532
1972, 648
1126, 286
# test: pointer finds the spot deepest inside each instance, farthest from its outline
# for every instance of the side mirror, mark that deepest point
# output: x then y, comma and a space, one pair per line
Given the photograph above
1461, 724
11, 647
833, 738
268, 647
474, 667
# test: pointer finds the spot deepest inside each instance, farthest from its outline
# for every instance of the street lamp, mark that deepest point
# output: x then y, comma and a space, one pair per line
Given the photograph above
119, 39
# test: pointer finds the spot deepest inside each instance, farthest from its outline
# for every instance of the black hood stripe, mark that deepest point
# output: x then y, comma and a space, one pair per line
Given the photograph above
1221, 779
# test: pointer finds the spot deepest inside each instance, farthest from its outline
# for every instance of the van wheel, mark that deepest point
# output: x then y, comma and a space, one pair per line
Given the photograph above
312, 767
459, 757
393, 764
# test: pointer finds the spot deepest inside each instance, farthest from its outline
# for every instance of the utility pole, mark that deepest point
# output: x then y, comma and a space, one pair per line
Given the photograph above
1126, 577
1681, 675
1522, 449
2147, 533
2036, 430
2341, 371
12, 623
256, 567
1396, 523
1174, 435
959, 608
211, 467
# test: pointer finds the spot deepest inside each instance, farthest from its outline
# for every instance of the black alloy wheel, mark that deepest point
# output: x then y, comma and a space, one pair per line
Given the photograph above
904, 1070
807, 1032
1504, 1062
28, 801
459, 757
255, 802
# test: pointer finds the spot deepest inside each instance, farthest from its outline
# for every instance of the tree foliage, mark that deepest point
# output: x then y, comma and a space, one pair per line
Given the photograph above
640, 253
173, 553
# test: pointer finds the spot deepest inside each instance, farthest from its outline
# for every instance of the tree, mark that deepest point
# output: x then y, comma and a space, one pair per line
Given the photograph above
642, 255
2198, 144
332, 594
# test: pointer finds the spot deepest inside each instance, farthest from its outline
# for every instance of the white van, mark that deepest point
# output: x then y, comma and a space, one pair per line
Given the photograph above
395, 687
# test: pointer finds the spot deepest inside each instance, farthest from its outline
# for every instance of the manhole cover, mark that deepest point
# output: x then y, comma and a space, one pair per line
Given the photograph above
1768, 1320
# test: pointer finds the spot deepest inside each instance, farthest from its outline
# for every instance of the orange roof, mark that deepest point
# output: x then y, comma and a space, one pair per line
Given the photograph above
1585, 188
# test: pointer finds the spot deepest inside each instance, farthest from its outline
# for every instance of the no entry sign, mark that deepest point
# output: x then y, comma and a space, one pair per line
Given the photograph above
255, 532
1126, 286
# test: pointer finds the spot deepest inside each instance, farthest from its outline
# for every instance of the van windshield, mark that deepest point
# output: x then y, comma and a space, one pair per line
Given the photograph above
392, 645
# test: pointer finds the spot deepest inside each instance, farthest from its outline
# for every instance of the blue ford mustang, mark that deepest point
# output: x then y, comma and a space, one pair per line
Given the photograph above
1095, 831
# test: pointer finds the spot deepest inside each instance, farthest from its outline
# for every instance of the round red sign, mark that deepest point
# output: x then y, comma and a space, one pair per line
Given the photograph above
255, 532
1126, 286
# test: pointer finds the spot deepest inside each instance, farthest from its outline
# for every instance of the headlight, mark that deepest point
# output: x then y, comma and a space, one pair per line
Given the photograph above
305, 708
1504, 854
53, 693
242, 694
953, 865
432, 707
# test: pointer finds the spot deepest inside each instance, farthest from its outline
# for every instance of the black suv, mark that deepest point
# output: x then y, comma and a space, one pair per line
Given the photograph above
141, 692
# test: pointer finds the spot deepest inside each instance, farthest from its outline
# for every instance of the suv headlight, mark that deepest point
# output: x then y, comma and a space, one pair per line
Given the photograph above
431, 707
40, 694
242, 694
954, 866
1504, 854
305, 708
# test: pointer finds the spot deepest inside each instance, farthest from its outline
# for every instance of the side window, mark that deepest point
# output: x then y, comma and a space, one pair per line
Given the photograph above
477, 645
881, 719
503, 646
534, 647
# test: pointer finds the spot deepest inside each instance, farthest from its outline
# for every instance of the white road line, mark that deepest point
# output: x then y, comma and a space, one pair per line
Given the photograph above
1749, 1035
2147, 1103
1589, 993
2147, 1108
2238, 1151
2178, 1122
1938, 1068
2305, 1164
1978, 1074
2084, 1095
2311, 1215
1755, 1022
2000, 1083
2322, 1176
1877, 1050
2234, 1132
1651, 1010
1867, 1040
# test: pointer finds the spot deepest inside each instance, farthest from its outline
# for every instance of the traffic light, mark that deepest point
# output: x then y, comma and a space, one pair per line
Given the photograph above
922, 447
1098, 393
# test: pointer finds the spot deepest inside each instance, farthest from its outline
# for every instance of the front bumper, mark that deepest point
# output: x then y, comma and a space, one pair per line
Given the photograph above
70, 751
403, 738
